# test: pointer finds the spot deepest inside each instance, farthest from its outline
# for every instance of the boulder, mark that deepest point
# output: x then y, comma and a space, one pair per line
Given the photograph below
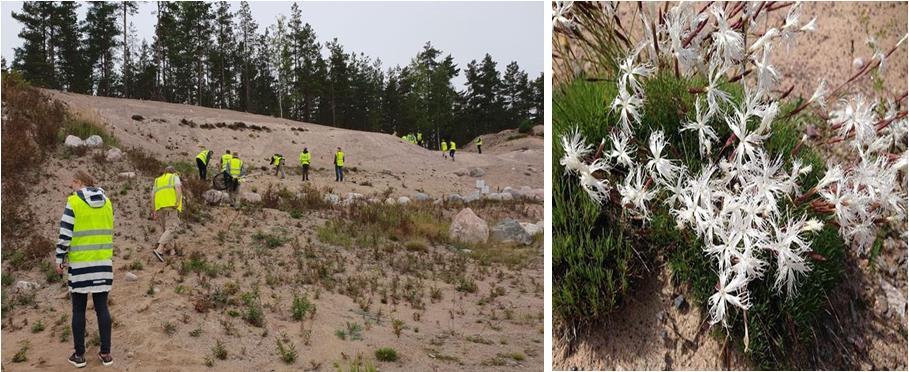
403, 200
73, 141
510, 231
128, 175
477, 172
454, 198
421, 197
353, 197
537, 194
332, 199
215, 197
94, 140
472, 197
251, 197
468, 227
114, 154
130, 277
24, 285
538, 130
532, 228
501, 196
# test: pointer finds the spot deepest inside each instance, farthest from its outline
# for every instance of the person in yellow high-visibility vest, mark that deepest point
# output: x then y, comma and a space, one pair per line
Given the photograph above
224, 159
339, 165
479, 145
167, 202
86, 245
451, 149
305, 159
202, 162
444, 149
235, 170
278, 161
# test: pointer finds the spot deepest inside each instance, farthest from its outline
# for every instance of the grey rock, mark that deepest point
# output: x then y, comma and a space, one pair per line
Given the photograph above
127, 175
679, 302
73, 141
532, 228
477, 172
510, 231
501, 196
215, 197
114, 154
454, 198
24, 285
332, 199
472, 197
896, 299
403, 200
421, 197
94, 140
460, 172
251, 197
468, 227
131, 277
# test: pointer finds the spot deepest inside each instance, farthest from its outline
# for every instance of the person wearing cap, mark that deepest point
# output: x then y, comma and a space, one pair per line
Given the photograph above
167, 202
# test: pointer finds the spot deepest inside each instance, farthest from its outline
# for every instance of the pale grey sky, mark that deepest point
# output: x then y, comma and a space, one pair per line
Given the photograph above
391, 31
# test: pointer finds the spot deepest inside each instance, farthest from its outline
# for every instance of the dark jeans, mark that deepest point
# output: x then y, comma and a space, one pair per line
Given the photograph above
451, 153
339, 173
80, 300
203, 169
306, 172
479, 149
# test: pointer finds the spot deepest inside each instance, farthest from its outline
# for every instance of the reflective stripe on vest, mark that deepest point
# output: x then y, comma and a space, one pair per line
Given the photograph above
203, 156
339, 159
93, 231
165, 191
235, 166
305, 157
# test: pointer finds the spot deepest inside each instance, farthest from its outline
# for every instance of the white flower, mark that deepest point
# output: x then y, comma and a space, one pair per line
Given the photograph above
732, 292
767, 75
810, 26
621, 150
633, 192
560, 16
714, 94
834, 174
627, 106
748, 141
706, 134
631, 73
597, 189
728, 43
575, 151
664, 168
820, 94
764, 40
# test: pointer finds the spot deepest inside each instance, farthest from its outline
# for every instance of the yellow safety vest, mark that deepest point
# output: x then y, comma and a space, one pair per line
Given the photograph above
224, 160
444, 146
452, 147
305, 157
166, 192
93, 231
479, 141
339, 158
276, 160
236, 165
203, 156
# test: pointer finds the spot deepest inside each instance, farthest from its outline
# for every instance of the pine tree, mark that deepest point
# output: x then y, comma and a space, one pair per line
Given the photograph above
101, 32
338, 83
34, 58
245, 51
127, 8
513, 91
70, 62
222, 53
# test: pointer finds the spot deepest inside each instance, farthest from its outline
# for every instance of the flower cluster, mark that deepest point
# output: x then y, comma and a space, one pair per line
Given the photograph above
742, 202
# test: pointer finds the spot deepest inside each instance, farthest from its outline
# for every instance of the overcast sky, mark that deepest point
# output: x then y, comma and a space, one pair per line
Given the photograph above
391, 31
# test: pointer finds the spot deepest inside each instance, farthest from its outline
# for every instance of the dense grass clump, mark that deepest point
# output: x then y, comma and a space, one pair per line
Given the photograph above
598, 251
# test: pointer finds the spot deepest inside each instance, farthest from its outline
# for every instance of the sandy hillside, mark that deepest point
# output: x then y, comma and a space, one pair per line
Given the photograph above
382, 160
455, 307
868, 330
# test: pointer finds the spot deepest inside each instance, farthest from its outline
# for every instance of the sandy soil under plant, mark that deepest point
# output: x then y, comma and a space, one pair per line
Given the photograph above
867, 331
499, 325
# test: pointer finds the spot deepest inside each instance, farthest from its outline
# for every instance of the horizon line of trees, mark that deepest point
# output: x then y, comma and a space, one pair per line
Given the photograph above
205, 54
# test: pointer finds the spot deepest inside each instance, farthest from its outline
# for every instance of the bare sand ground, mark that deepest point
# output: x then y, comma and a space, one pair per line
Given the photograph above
867, 331
499, 325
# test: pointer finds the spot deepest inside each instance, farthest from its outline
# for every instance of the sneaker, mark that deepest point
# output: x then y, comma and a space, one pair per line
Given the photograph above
106, 360
158, 254
77, 361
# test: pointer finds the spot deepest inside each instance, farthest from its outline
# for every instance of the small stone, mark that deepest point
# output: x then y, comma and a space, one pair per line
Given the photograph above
251, 197
421, 197
679, 302
477, 172
332, 199
131, 277
24, 285
127, 175
403, 200
94, 140
114, 154
454, 198
73, 141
